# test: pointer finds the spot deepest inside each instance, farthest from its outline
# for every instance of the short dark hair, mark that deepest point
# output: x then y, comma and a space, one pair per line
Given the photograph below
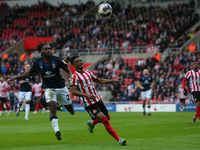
39, 47
72, 58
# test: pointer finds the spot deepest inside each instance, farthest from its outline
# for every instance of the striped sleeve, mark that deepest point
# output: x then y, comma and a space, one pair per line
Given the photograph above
93, 75
74, 80
6, 85
188, 74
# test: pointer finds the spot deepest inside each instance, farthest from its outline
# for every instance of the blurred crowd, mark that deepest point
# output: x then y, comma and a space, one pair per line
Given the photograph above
167, 76
74, 28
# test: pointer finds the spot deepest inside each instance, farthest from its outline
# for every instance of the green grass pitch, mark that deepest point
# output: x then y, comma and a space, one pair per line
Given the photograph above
161, 131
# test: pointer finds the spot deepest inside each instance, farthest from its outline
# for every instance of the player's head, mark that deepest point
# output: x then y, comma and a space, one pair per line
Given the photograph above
145, 72
76, 61
37, 80
1, 79
195, 65
44, 49
27, 67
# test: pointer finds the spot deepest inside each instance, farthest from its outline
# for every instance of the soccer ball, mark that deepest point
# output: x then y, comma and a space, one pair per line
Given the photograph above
105, 10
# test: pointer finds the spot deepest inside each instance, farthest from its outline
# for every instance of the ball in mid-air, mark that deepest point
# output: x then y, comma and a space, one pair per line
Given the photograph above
105, 10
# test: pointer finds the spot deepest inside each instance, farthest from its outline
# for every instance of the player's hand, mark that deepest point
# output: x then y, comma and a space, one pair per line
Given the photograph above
185, 92
30, 84
118, 80
9, 78
142, 88
70, 80
90, 96
22, 81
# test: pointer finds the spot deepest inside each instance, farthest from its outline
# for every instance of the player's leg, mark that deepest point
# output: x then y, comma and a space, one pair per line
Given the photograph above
148, 96
181, 104
36, 105
64, 97
7, 107
28, 100
143, 94
149, 106
195, 97
96, 113
184, 104
21, 99
51, 100
1, 111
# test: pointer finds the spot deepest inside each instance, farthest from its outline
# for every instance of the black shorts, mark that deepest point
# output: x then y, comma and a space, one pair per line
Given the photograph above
3, 100
182, 100
196, 96
94, 109
37, 98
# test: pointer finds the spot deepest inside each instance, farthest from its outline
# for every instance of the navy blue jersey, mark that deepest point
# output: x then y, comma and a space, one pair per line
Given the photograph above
25, 87
50, 72
146, 82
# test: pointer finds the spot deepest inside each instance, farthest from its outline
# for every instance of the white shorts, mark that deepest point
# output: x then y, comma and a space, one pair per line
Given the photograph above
24, 96
60, 94
146, 94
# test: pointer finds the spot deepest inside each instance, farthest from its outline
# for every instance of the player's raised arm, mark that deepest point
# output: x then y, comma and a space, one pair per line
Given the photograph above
105, 81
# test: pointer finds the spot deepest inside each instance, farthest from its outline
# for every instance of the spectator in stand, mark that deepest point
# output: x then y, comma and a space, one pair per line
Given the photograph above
178, 67
192, 47
12, 99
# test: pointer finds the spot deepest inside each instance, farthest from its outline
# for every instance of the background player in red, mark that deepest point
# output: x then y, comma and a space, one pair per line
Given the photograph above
82, 86
3, 97
37, 90
194, 77
182, 98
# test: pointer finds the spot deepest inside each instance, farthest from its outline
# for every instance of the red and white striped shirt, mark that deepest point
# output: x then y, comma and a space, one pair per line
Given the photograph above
84, 82
194, 78
37, 87
3, 86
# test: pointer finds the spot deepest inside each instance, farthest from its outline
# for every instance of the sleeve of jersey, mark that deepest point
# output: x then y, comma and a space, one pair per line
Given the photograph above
63, 64
34, 69
74, 81
183, 82
93, 75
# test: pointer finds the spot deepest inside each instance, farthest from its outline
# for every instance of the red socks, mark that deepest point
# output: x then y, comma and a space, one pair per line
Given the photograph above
0, 107
7, 107
41, 106
36, 106
109, 128
94, 122
198, 112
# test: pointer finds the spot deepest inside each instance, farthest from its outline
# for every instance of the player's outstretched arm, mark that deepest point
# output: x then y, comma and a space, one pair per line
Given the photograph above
22, 76
105, 81
75, 92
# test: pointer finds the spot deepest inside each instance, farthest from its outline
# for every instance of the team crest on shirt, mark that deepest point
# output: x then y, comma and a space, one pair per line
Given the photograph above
40, 67
94, 111
64, 62
53, 65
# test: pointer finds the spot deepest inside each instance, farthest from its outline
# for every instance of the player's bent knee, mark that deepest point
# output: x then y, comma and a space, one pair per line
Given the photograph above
53, 117
108, 117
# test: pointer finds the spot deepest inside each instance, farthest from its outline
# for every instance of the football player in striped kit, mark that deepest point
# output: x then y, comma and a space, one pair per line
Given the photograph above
194, 79
3, 97
82, 86
37, 90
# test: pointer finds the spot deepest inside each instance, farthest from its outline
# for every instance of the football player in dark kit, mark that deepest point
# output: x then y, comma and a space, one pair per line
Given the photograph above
145, 83
53, 83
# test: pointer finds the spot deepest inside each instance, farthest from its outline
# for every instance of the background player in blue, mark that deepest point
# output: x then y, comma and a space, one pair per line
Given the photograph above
25, 92
145, 83
53, 84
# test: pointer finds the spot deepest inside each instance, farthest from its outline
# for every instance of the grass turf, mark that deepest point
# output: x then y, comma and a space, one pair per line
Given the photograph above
161, 131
